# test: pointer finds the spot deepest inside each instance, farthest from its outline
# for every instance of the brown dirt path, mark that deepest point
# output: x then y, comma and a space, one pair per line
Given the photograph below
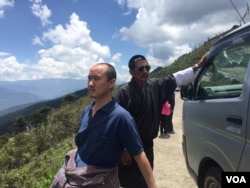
169, 167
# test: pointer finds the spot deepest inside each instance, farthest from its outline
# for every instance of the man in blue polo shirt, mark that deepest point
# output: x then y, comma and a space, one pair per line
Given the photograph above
106, 129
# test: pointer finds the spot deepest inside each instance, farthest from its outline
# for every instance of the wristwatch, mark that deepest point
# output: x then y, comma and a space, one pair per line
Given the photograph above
195, 67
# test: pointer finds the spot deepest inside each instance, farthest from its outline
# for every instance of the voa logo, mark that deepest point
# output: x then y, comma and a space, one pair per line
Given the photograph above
236, 179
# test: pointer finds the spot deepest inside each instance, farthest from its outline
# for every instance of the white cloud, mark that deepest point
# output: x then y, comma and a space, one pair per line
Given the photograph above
2, 54
4, 4
37, 41
170, 28
9, 67
75, 34
122, 76
72, 51
41, 11
116, 57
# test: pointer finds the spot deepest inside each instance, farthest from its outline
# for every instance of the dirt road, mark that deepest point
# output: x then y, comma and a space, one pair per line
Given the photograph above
170, 170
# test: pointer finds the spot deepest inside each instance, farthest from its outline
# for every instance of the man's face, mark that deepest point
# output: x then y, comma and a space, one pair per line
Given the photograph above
98, 84
141, 71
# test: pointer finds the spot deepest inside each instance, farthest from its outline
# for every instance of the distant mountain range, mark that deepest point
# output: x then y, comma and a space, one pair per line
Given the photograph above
7, 120
15, 95
24, 97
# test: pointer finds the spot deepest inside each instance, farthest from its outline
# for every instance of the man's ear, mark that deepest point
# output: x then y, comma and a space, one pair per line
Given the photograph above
112, 82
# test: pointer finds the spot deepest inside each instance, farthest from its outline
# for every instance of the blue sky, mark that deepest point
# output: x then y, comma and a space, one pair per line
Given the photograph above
63, 39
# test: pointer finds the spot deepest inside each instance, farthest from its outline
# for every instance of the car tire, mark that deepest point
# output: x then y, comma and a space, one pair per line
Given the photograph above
212, 178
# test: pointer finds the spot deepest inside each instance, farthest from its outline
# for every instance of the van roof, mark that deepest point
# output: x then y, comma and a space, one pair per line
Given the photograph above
233, 32
238, 29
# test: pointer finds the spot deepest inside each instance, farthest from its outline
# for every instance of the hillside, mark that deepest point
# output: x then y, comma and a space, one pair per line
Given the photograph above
7, 121
9, 98
31, 159
24, 92
186, 60
182, 62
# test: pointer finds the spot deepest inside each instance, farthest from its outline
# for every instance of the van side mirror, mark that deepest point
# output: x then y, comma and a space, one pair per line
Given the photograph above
187, 91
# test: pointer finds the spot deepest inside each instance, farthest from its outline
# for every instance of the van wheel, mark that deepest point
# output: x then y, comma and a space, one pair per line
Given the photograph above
212, 178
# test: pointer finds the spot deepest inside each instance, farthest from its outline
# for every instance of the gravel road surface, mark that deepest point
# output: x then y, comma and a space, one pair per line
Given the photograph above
169, 167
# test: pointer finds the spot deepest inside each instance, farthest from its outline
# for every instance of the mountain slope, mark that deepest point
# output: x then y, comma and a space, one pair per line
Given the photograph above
7, 121
9, 98
21, 92
31, 159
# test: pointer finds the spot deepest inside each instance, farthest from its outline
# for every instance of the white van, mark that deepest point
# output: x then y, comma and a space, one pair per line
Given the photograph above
216, 113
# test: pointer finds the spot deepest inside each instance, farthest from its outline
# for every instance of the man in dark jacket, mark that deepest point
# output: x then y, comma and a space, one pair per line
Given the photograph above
144, 98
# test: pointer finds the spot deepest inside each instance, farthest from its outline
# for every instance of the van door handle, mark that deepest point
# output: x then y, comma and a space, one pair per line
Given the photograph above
234, 119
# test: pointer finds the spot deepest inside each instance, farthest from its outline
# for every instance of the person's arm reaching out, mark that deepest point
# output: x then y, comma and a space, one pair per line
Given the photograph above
186, 76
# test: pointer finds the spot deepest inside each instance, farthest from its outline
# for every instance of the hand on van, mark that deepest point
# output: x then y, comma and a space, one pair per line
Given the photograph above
201, 62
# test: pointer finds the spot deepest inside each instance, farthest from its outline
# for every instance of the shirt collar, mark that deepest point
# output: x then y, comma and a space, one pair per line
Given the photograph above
107, 108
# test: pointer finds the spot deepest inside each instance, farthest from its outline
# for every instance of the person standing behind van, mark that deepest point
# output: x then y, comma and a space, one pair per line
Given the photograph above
165, 120
143, 98
170, 127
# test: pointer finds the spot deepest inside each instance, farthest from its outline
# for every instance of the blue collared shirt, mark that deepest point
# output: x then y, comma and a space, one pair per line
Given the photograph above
102, 138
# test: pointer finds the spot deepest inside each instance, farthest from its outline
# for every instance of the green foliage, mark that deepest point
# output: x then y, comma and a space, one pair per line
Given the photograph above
20, 123
7, 121
39, 172
186, 60
31, 159
39, 116
69, 98
4, 139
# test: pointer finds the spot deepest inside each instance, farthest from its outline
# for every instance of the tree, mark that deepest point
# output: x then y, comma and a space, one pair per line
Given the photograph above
20, 123
69, 98
40, 116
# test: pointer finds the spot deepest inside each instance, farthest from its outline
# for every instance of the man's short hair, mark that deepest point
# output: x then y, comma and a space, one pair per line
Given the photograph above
111, 72
131, 63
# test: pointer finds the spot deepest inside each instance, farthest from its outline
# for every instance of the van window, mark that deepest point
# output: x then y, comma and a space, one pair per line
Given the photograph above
225, 75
